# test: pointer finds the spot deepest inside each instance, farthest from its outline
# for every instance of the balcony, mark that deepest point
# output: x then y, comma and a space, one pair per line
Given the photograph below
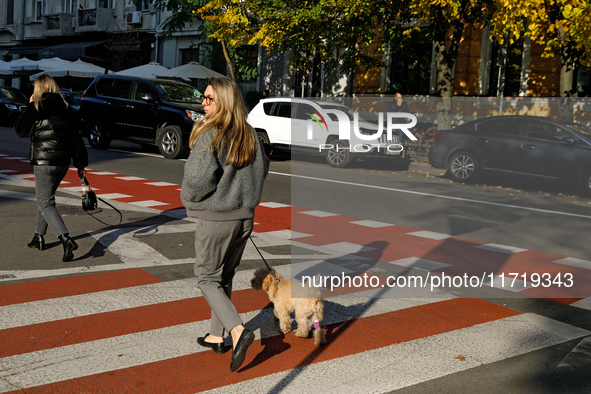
58, 25
95, 20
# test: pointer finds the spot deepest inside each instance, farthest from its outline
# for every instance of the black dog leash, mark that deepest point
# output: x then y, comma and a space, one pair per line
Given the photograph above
264, 261
86, 184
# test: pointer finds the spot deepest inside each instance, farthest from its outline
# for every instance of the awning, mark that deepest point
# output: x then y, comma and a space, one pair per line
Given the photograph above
24, 50
68, 51
130, 46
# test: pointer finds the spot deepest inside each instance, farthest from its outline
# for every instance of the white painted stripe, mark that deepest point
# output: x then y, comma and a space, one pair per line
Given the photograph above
500, 248
571, 261
348, 247
160, 184
130, 178
77, 189
101, 173
113, 196
36, 312
431, 235
371, 223
585, 303
148, 203
409, 363
15, 158
319, 214
579, 356
17, 195
269, 204
419, 263
287, 234
435, 195
88, 358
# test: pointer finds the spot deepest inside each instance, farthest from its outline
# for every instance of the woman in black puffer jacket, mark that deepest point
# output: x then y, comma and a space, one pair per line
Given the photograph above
50, 123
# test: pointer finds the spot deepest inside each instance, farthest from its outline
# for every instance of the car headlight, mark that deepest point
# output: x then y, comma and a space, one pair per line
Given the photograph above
194, 115
12, 107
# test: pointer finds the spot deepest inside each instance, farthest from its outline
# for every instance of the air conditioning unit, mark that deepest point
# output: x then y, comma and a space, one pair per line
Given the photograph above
133, 18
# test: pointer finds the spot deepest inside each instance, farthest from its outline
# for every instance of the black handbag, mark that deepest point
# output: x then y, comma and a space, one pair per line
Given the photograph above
89, 200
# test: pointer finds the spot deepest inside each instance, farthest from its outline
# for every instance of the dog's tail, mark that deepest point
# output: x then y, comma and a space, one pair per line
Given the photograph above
319, 333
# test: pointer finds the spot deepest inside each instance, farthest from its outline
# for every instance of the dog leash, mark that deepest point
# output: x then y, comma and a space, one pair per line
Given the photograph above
264, 261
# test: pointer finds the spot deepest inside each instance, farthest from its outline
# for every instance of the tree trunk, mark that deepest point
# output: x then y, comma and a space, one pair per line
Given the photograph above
445, 59
228, 61
444, 87
566, 80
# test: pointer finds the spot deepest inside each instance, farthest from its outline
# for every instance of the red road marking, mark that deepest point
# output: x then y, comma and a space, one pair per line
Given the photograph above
19, 340
281, 353
82, 284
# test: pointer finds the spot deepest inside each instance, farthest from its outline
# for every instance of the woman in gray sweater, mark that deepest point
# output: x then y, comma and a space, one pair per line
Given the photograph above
222, 186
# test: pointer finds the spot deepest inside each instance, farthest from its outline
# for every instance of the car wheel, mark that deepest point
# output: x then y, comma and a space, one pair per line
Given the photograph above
263, 137
339, 155
463, 166
171, 143
97, 136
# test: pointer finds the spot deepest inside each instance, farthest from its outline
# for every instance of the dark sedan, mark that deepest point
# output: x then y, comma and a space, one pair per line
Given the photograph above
12, 103
542, 147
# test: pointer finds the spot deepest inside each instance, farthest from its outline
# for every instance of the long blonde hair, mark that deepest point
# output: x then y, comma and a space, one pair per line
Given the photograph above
234, 136
45, 84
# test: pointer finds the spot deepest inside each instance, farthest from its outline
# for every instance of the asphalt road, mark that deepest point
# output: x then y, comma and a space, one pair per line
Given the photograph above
549, 218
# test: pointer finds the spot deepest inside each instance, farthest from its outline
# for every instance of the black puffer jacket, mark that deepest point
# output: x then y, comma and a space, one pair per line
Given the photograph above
55, 140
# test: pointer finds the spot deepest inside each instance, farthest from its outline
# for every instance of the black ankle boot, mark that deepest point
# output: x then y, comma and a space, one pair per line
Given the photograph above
69, 247
37, 243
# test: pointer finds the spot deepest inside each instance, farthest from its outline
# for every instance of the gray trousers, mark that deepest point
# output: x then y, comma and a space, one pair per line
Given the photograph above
47, 180
218, 248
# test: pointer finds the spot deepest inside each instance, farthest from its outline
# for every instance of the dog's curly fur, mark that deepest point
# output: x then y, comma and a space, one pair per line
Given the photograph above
280, 295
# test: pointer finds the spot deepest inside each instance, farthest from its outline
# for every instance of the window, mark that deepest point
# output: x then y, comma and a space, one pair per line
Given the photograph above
105, 4
189, 55
9, 12
121, 89
545, 131
508, 126
283, 110
267, 108
69, 6
145, 5
104, 87
39, 10
140, 89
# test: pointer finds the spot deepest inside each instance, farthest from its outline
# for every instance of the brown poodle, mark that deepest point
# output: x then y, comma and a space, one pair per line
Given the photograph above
279, 291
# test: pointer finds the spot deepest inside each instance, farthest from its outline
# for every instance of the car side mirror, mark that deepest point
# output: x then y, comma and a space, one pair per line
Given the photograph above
148, 97
570, 141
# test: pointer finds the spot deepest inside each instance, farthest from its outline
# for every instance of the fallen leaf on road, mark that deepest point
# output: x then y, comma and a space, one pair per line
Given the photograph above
460, 357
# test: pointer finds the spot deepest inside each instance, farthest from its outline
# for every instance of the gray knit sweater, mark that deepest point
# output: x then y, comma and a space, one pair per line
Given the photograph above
217, 192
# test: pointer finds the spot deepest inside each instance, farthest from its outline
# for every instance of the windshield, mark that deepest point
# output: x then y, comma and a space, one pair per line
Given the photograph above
180, 93
586, 131
12, 93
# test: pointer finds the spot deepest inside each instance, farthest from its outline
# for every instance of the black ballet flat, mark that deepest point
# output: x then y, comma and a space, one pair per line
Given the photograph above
239, 353
219, 348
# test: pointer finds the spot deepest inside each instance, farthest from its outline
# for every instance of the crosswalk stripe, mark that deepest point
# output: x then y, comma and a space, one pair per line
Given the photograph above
410, 363
82, 284
161, 352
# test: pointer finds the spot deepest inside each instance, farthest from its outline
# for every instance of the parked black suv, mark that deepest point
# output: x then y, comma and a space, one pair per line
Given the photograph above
147, 111
12, 104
